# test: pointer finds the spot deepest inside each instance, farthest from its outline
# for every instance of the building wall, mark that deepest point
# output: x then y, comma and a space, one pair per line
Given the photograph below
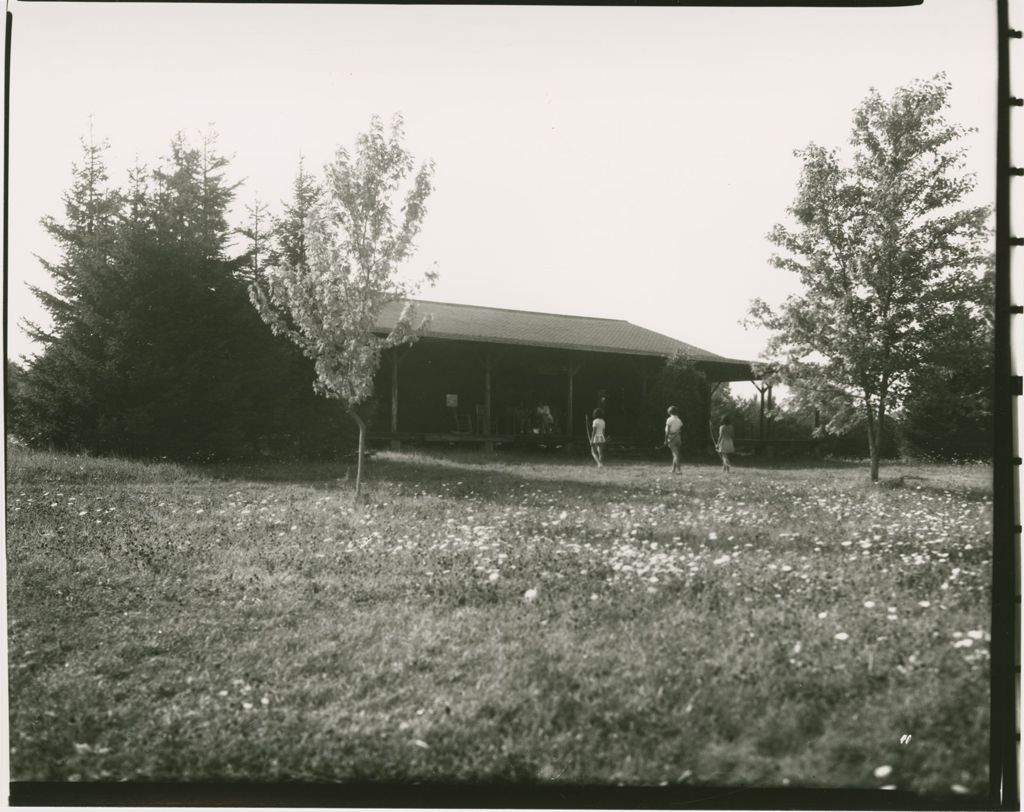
521, 378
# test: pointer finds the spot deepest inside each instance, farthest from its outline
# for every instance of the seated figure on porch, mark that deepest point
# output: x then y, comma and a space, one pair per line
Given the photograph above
545, 419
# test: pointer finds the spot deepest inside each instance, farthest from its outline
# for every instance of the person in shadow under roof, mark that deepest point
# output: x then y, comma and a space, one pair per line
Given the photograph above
545, 418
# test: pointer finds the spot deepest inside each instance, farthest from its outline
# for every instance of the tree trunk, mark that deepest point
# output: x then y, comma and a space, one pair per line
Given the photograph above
873, 439
879, 431
359, 453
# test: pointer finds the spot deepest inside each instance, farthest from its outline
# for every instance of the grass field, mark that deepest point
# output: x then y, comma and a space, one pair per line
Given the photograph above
528, 618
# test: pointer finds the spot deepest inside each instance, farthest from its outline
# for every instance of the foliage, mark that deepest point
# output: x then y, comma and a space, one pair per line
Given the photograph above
839, 433
682, 385
155, 350
947, 414
776, 626
329, 279
14, 399
887, 254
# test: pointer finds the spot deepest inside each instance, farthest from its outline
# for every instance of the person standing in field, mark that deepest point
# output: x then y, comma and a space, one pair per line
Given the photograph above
597, 438
725, 445
674, 437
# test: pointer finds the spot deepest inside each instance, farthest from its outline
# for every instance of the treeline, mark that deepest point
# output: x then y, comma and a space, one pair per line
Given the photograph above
946, 414
154, 349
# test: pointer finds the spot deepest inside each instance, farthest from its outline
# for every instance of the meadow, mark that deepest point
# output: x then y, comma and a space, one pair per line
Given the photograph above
523, 618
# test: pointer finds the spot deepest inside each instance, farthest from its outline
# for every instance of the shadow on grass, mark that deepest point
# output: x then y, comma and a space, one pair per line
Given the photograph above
498, 475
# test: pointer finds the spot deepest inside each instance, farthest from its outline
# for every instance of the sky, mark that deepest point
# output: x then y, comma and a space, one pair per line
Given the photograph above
615, 162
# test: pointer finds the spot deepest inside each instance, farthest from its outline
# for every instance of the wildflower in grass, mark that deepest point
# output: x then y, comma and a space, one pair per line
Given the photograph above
822, 615
965, 643
924, 604
722, 560
530, 595
493, 577
712, 536
842, 636
888, 786
869, 604
976, 634
883, 772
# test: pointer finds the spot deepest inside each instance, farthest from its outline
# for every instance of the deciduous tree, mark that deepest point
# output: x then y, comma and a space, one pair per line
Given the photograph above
885, 248
329, 281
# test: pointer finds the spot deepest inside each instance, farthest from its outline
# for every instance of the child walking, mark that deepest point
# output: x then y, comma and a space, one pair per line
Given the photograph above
674, 438
725, 445
597, 438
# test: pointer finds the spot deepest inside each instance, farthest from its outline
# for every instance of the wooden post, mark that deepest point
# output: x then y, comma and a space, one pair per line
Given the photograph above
760, 425
711, 430
395, 443
488, 363
760, 421
571, 369
569, 407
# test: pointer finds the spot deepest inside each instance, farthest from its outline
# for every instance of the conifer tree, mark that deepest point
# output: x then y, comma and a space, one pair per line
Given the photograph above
65, 384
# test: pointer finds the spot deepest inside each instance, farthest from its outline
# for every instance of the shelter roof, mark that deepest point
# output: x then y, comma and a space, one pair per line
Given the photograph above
500, 326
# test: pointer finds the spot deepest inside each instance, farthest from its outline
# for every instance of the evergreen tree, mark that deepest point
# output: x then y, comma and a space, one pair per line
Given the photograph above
182, 359
66, 384
155, 349
290, 244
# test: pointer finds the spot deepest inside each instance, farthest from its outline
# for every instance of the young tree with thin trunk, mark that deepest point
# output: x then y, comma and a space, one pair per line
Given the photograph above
327, 284
885, 250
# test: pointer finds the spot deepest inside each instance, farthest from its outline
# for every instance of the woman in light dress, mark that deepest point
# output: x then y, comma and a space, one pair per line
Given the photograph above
674, 437
725, 445
597, 438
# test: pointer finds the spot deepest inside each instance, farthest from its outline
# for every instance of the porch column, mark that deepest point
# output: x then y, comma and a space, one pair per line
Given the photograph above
711, 429
571, 369
488, 364
760, 422
568, 411
395, 443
